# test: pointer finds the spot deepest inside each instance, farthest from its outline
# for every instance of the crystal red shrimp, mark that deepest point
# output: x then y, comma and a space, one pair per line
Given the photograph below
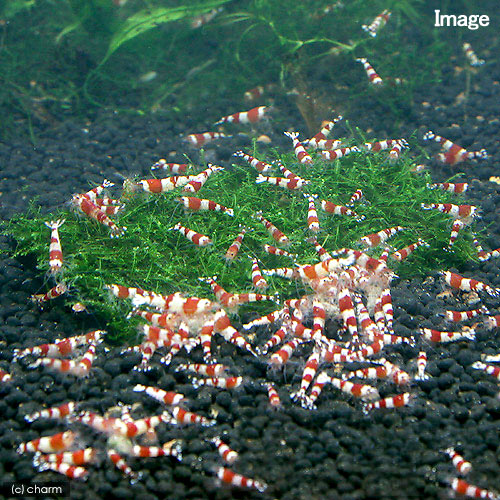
463, 467
273, 396
335, 154
421, 366
277, 251
184, 417
222, 325
457, 316
92, 211
121, 465
218, 382
280, 358
197, 238
468, 490
332, 208
450, 187
97, 191
198, 140
439, 336
169, 398
257, 279
173, 168
322, 253
251, 116
362, 391
291, 184
300, 152
157, 185
227, 476
288, 174
259, 165
395, 152
277, 235
307, 376
371, 73
55, 249
170, 449
49, 444
403, 253
197, 181
494, 371
56, 412
492, 322
379, 22
356, 196
53, 293
374, 239
209, 370
467, 284
484, 256
77, 457
235, 246
70, 471
320, 139
61, 347
453, 152
202, 204
471, 55
463, 212
312, 214
390, 402
386, 144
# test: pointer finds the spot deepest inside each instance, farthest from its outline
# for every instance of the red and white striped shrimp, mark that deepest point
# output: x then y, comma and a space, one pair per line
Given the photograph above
457, 316
463, 467
334, 154
197, 238
312, 214
257, 279
371, 73
356, 196
209, 370
278, 251
97, 191
288, 174
170, 449
386, 144
198, 140
55, 249
391, 402
273, 396
403, 253
421, 366
395, 152
291, 184
56, 412
218, 382
202, 204
222, 325
53, 293
79, 367
374, 239
70, 471
121, 465
454, 153
468, 490
197, 181
157, 185
277, 235
300, 152
378, 23
439, 336
49, 444
5, 377
251, 116
229, 477
320, 139
173, 168
92, 211
471, 55
167, 397
184, 417
308, 375
77, 457
494, 371
468, 284
281, 357
458, 187
492, 322
322, 253
259, 165
233, 250
464, 212
332, 208
362, 391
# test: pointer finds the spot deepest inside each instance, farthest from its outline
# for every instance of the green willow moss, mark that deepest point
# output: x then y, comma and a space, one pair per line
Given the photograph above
152, 256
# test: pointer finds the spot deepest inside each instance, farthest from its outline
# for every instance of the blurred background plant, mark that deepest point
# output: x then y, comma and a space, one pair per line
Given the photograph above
71, 57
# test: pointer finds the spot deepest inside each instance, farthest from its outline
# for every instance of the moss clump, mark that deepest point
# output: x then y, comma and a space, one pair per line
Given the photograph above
152, 256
